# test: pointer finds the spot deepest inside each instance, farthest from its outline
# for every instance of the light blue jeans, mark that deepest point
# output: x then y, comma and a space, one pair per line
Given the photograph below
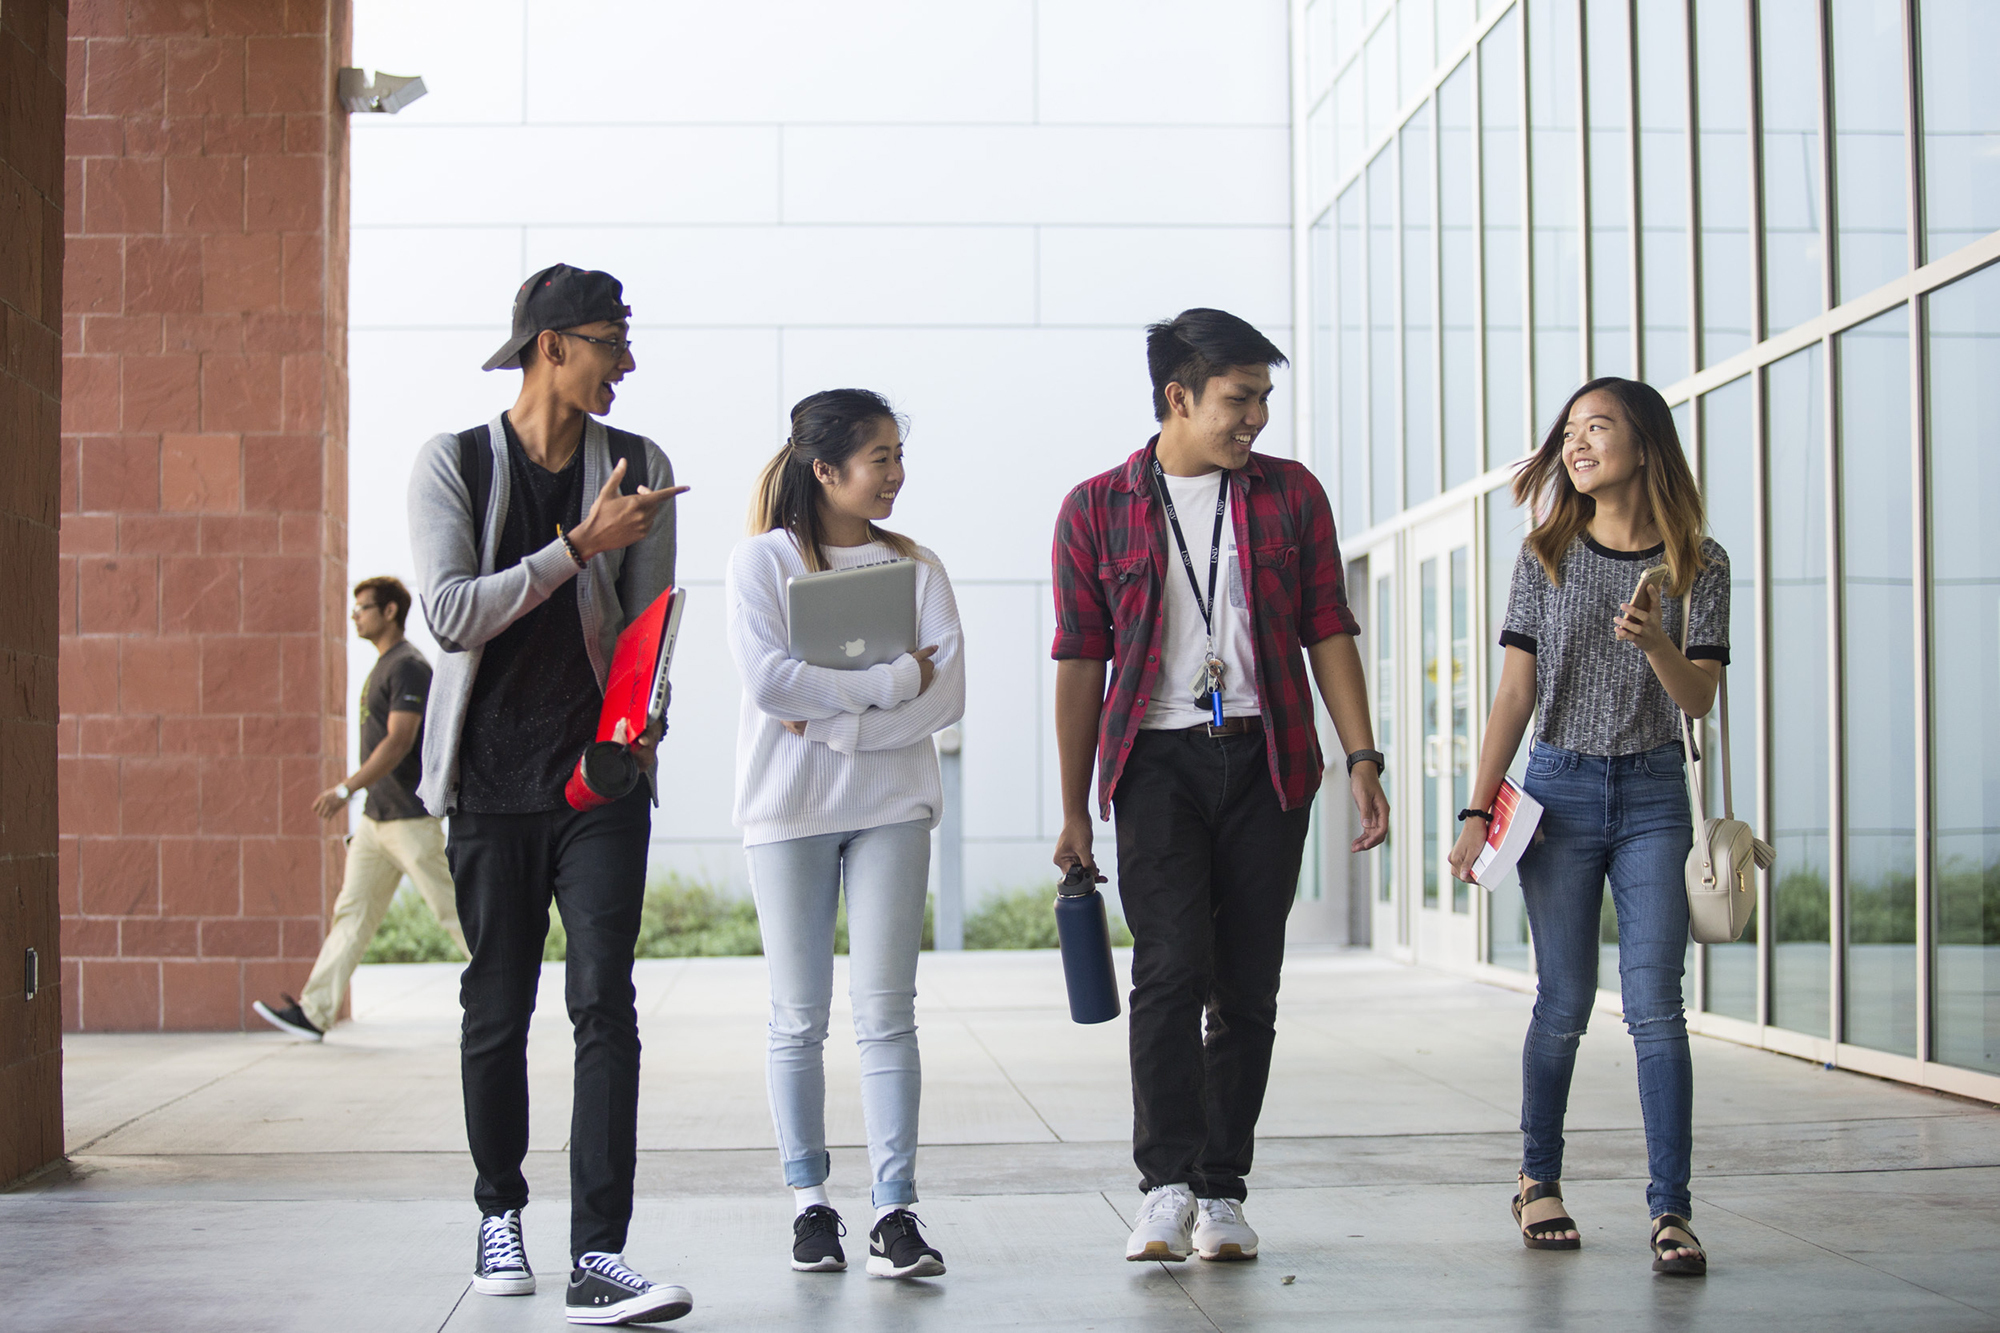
798, 884
1624, 819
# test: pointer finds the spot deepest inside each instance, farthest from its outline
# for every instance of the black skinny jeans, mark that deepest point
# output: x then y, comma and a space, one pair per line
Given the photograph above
506, 867
1208, 866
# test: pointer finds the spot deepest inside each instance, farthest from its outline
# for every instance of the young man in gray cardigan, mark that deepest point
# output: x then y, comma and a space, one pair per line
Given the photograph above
527, 597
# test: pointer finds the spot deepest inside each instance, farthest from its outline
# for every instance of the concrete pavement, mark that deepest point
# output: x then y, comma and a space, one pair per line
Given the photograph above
251, 1182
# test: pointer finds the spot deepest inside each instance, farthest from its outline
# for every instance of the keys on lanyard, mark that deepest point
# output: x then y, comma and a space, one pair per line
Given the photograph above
1207, 685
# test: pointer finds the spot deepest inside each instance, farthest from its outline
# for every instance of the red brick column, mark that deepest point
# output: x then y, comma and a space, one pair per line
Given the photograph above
204, 493
31, 249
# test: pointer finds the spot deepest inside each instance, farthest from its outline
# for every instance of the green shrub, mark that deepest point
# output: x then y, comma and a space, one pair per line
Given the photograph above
1024, 919
410, 934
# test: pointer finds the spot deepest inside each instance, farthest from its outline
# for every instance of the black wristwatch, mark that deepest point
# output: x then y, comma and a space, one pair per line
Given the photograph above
1366, 757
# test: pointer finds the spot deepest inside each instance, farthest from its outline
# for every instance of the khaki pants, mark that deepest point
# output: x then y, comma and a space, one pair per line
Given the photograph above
378, 856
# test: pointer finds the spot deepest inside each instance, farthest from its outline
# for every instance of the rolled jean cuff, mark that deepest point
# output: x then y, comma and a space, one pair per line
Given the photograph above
803, 1172
893, 1193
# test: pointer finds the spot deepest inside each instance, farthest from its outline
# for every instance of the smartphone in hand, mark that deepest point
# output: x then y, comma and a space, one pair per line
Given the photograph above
1656, 575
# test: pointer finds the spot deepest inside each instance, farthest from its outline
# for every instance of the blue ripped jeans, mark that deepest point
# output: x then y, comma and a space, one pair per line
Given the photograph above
1624, 819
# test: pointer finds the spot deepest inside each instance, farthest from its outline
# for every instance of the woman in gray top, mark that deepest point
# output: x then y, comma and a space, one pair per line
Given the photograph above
1603, 667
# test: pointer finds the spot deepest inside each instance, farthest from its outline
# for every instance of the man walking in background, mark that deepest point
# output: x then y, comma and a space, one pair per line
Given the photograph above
538, 537
396, 836
1206, 748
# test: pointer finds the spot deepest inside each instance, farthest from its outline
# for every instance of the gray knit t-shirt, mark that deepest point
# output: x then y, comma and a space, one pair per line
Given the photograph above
1595, 693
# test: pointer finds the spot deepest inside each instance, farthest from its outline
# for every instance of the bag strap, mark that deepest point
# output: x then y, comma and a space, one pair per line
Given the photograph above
1697, 773
475, 468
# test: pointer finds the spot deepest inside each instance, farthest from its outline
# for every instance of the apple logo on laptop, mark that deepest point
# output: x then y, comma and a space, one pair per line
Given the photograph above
854, 647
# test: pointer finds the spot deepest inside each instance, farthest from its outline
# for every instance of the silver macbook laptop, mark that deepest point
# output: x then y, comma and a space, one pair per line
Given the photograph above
854, 618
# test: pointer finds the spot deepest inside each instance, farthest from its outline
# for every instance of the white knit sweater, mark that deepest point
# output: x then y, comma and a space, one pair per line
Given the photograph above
866, 759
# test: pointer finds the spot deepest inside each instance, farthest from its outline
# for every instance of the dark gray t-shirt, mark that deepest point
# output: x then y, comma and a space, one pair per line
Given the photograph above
400, 683
1595, 693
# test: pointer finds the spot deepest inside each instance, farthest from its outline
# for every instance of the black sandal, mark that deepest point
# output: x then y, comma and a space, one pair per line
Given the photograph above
1543, 1230
1663, 1244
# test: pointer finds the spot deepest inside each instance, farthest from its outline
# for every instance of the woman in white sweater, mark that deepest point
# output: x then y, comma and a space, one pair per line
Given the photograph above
837, 787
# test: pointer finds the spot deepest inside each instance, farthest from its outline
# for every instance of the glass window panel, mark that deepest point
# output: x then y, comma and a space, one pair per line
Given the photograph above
1964, 354
1420, 469
1553, 67
1722, 109
1794, 263
1461, 701
1458, 239
1879, 684
1507, 432
1728, 472
1414, 42
1381, 58
1322, 151
1608, 81
1350, 137
1663, 190
1385, 484
1325, 456
1350, 25
1961, 122
1870, 170
1427, 582
1506, 525
1351, 363
1385, 723
1454, 25
1319, 46
1799, 761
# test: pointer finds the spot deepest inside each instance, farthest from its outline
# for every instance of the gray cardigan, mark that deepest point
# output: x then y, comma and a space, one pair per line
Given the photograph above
466, 603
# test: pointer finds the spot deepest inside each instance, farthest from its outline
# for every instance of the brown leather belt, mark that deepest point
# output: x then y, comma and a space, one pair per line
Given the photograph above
1231, 726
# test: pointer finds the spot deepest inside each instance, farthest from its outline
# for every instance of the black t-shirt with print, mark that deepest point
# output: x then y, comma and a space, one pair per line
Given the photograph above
535, 701
400, 683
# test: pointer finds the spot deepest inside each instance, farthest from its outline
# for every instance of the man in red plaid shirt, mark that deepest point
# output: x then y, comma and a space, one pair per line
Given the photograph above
1199, 570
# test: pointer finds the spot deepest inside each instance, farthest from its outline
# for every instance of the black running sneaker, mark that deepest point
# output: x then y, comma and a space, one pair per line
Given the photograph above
290, 1019
502, 1268
816, 1237
602, 1290
896, 1248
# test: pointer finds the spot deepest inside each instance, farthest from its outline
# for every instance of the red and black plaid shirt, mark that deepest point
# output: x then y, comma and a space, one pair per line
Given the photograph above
1110, 557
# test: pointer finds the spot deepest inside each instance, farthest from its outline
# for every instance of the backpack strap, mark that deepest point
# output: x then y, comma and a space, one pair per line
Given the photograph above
631, 448
475, 469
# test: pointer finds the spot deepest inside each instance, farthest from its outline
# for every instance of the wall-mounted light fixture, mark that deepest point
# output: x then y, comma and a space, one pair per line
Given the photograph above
389, 93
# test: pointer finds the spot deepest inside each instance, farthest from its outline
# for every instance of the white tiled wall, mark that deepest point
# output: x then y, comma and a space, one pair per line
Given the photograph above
971, 207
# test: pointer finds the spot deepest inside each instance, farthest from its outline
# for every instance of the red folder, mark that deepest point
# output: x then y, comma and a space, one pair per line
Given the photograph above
635, 693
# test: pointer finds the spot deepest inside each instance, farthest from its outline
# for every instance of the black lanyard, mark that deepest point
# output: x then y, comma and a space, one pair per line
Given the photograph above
1214, 546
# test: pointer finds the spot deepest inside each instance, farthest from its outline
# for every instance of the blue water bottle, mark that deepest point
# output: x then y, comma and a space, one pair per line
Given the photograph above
1086, 947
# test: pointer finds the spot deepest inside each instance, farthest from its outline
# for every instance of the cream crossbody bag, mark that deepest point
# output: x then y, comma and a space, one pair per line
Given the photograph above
1722, 891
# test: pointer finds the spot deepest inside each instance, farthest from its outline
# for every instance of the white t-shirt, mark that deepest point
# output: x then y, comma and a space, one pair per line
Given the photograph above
1184, 639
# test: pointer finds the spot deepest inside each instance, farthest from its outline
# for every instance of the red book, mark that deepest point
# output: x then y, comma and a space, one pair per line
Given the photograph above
1515, 815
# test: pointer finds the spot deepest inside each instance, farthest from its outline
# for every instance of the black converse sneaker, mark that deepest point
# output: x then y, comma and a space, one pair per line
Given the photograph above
502, 1268
290, 1019
816, 1237
602, 1290
896, 1248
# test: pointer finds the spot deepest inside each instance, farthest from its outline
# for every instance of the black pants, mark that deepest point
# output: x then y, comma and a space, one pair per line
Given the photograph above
1208, 866
505, 868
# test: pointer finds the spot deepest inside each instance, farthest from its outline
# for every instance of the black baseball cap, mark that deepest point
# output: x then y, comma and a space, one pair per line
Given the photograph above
559, 297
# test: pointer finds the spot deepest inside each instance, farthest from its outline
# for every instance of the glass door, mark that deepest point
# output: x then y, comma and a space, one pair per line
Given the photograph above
1439, 733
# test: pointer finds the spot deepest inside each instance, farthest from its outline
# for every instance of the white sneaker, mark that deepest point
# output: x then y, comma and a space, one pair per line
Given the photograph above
1220, 1231
1165, 1226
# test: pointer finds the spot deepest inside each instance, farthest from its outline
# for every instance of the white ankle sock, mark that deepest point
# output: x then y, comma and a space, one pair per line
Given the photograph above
883, 1212
806, 1197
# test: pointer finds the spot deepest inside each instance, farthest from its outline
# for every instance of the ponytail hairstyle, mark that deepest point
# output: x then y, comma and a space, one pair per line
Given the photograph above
827, 427
1562, 513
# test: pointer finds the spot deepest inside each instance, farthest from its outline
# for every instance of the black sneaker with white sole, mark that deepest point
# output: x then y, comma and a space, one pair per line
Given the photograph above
290, 1019
502, 1266
896, 1248
602, 1290
816, 1237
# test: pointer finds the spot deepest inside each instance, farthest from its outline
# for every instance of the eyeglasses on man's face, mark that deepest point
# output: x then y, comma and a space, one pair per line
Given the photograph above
359, 607
618, 346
